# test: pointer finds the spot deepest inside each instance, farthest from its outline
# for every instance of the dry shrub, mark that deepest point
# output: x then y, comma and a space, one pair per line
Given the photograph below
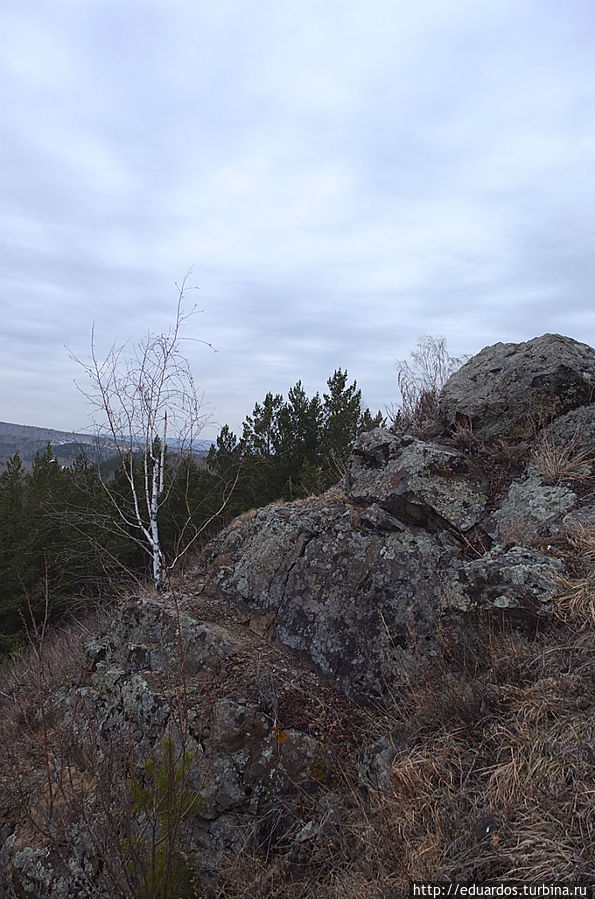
62, 646
26, 728
465, 438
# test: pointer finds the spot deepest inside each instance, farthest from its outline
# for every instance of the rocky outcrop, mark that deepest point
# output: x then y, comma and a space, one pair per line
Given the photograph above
347, 584
358, 579
507, 390
358, 587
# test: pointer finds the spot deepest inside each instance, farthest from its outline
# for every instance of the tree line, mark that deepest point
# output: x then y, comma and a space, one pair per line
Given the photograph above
66, 541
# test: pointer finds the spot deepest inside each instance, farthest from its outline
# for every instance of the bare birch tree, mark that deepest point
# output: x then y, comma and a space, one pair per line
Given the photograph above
143, 393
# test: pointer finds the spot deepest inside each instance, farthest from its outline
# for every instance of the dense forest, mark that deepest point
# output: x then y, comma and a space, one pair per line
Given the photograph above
63, 544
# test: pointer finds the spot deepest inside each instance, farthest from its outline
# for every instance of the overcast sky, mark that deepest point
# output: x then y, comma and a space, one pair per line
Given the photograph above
343, 177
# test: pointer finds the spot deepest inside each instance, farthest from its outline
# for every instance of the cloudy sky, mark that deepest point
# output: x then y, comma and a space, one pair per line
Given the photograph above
343, 177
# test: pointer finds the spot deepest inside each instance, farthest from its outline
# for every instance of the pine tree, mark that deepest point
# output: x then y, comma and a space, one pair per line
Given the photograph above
12, 489
261, 430
300, 430
343, 421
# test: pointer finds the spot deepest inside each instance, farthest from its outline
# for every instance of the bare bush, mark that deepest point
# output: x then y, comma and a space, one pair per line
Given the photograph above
421, 380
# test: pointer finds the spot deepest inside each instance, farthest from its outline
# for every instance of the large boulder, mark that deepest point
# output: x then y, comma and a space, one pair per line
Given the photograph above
350, 587
510, 389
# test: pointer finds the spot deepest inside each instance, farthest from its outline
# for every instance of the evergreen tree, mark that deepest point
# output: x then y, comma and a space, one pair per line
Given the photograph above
12, 489
262, 479
343, 420
224, 457
261, 430
368, 421
227, 465
300, 427
342, 415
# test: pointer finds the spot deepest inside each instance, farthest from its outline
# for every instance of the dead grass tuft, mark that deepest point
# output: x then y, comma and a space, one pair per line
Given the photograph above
569, 462
575, 603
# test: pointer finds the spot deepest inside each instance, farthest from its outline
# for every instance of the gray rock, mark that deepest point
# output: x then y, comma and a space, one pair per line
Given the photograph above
357, 582
40, 873
419, 483
508, 389
346, 595
530, 512
375, 768
576, 427
518, 584
144, 637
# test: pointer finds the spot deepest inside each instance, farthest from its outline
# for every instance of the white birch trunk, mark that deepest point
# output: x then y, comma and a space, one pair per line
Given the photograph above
154, 527
156, 491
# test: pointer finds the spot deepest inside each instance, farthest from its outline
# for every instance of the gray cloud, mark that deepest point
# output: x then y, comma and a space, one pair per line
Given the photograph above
343, 178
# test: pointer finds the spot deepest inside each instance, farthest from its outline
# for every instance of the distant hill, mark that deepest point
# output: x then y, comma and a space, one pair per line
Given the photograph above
67, 445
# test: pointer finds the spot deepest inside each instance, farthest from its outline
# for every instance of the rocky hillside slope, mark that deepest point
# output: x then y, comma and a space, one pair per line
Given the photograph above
343, 675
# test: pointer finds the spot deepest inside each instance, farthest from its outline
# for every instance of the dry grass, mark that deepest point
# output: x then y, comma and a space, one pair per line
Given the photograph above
575, 603
243, 519
25, 682
569, 462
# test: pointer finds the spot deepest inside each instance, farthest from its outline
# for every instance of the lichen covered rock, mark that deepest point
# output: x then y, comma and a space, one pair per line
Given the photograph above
576, 428
516, 584
530, 512
508, 389
420, 483
348, 595
358, 579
